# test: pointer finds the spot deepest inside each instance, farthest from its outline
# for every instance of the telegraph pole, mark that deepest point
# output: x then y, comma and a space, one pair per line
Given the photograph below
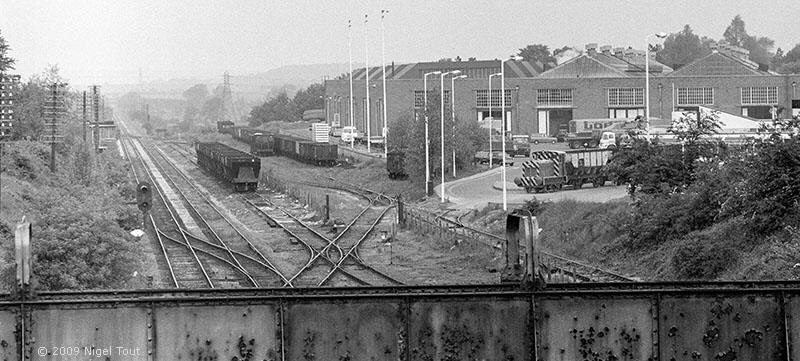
53, 109
96, 117
226, 113
84, 120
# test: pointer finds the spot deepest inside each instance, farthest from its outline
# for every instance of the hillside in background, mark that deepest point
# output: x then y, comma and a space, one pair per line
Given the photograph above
251, 87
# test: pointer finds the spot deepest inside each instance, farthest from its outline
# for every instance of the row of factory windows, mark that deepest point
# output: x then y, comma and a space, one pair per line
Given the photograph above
616, 97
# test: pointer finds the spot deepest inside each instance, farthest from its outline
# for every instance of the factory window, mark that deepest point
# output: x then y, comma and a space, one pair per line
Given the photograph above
419, 98
695, 96
554, 97
625, 97
482, 98
762, 95
618, 113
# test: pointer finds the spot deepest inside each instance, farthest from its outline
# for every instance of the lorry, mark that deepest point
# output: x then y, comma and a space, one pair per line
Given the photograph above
550, 170
591, 133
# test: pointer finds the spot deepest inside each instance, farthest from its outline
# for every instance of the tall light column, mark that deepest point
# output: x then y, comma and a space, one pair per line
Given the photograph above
383, 66
366, 81
503, 127
491, 119
427, 139
647, 78
350, 56
453, 116
441, 119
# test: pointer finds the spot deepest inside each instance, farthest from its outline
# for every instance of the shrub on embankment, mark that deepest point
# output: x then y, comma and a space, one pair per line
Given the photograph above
81, 217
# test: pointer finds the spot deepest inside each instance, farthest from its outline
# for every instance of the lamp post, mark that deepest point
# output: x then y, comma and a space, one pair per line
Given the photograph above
503, 135
647, 78
350, 56
427, 140
366, 81
491, 118
383, 67
453, 116
441, 119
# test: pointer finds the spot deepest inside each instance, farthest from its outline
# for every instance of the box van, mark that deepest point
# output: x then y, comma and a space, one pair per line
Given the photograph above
349, 134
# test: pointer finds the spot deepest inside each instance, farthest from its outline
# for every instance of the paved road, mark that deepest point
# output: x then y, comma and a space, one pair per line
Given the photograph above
478, 190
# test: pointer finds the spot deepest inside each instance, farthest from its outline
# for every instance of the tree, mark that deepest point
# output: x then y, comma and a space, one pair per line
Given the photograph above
312, 97
196, 95
689, 129
788, 63
537, 53
407, 134
760, 47
735, 33
6, 62
682, 48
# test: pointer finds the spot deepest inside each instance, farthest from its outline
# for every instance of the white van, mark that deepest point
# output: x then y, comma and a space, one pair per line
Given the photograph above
349, 134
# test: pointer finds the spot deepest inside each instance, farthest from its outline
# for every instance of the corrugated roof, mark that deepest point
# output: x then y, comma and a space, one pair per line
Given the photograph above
583, 66
718, 63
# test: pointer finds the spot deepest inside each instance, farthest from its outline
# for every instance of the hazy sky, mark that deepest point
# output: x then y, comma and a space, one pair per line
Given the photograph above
108, 41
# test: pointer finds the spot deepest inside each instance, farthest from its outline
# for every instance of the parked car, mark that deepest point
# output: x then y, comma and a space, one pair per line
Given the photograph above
350, 134
482, 157
542, 138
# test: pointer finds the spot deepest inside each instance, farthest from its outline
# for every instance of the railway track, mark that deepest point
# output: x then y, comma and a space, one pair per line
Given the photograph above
222, 237
557, 265
180, 261
326, 261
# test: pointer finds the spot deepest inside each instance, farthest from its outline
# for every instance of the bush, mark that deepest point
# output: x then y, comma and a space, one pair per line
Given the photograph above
707, 254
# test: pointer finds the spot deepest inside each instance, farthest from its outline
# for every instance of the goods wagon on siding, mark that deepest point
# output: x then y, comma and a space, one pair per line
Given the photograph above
224, 126
318, 153
230, 165
262, 145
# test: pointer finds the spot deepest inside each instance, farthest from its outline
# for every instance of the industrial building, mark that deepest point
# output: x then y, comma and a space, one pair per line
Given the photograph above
603, 82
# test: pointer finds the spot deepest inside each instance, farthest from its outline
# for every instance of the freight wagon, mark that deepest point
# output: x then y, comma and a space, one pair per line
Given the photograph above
395, 165
548, 171
262, 145
318, 153
230, 165
224, 126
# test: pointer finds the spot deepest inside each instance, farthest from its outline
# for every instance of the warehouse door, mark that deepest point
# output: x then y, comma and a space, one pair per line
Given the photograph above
551, 120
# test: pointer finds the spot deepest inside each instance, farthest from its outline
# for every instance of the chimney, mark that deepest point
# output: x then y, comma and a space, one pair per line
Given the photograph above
606, 49
618, 52
591, 48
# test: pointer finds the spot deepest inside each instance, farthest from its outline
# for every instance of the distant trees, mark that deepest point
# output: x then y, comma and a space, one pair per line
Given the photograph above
683, 47
283, 108
788, 63
6, 62
760, 47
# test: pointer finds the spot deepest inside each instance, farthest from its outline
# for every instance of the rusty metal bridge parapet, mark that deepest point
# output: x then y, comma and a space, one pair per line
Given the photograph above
580, 321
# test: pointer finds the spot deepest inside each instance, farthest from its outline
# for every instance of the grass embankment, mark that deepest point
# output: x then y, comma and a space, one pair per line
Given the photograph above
599, 233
